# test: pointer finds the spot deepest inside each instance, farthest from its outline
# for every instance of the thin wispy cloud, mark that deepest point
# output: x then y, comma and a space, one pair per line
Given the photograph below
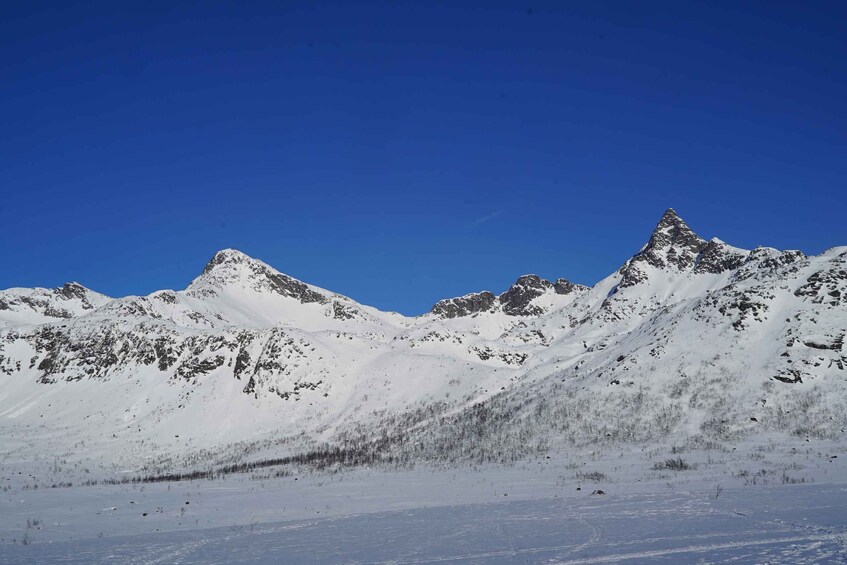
484, 219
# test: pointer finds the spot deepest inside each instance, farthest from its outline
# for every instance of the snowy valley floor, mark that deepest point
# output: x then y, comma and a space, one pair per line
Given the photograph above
792, 524
737, 508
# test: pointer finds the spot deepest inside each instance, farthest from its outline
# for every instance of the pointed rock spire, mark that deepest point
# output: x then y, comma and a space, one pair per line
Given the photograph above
673, 231
672, 245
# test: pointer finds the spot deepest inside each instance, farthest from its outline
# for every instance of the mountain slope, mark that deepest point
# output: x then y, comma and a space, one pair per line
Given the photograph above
690, 339
21, 306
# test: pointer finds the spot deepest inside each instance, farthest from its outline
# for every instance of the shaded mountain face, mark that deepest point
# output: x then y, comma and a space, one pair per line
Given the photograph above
706, 333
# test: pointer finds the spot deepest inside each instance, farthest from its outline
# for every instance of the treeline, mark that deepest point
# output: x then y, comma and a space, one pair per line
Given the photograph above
318, 459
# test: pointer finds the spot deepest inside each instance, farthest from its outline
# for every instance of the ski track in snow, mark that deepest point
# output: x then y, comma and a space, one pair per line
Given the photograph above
663, 527
734, 358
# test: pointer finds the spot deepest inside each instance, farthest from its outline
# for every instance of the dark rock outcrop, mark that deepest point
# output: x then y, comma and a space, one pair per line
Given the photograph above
465, 305
63, 302
564, 286
672, 244
226, 265
717, 257
517, 301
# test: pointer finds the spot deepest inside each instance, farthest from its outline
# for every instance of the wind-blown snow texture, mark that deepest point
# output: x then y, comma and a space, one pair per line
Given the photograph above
691, 341
791, 525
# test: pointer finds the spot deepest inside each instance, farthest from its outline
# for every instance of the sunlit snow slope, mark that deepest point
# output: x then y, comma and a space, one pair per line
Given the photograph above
690, 338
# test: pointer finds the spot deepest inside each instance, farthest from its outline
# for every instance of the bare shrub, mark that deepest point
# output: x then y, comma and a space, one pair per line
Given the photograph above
595, 476
678, 464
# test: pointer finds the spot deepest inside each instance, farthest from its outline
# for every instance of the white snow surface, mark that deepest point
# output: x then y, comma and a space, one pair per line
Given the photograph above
450, 438
533, 512
248, 355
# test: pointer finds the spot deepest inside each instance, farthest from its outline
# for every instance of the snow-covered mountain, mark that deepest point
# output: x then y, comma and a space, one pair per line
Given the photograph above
691, 340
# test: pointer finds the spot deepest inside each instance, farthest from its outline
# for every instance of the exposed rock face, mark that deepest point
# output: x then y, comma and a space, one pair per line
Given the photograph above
64, 302
166, 296
103, 352
342, 311
564, 286
229, 265
672, 244
767, 261
287, 286
190, 338
465, 305
710, 329
226, 257
827, 287
73, 290
718, 257
517, 301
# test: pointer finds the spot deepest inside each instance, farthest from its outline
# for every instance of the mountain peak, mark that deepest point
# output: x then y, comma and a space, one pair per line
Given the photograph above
672, 244
72, 290
231, 267
670, 213
672, 231
227, 256
672, 226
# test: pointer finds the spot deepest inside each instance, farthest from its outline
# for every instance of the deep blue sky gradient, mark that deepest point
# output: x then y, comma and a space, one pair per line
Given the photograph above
401, 153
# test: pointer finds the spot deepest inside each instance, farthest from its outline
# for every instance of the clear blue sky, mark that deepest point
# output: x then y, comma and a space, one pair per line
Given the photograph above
404, 152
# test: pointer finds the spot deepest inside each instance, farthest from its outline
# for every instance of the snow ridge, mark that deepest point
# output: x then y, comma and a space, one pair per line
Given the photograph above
689, 338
